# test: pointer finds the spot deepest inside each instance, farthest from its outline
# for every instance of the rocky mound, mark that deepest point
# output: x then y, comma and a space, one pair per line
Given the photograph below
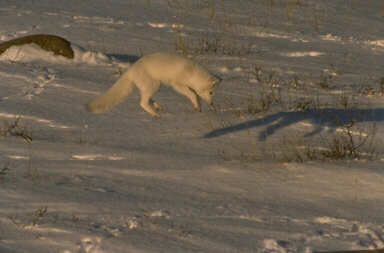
53, 43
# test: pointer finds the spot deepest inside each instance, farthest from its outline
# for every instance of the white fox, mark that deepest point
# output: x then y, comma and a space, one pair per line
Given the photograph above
149, 72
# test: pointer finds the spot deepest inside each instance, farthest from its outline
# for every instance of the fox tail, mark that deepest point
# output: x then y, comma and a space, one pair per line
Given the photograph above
115, 95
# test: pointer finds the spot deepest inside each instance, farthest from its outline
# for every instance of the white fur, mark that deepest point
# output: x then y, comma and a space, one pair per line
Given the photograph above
149, 72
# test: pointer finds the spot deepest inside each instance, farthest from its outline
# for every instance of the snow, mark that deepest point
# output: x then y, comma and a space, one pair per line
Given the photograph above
32, 52
244, 176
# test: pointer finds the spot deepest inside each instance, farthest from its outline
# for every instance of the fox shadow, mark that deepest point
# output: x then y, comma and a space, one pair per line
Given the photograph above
125, 57
321, 119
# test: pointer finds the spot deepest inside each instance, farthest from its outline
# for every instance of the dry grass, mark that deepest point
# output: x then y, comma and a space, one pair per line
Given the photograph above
349, 137
15, 129
206, 44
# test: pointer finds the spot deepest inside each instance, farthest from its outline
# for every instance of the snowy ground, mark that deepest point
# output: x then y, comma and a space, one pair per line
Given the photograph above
261, 172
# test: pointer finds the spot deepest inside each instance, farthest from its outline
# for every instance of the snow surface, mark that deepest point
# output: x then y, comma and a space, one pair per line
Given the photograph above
224, 180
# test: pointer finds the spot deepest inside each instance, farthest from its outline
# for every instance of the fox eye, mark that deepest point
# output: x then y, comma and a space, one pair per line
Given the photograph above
211, 93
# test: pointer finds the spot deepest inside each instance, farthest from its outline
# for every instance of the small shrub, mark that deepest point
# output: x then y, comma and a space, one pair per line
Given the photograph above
325, 82
348, 142
304, 104
39, 214
14, 129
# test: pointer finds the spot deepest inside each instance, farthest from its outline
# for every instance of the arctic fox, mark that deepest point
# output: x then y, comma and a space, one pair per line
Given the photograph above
149, 72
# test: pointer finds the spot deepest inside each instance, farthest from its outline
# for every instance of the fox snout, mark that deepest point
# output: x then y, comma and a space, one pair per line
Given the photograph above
207, 97
210, 102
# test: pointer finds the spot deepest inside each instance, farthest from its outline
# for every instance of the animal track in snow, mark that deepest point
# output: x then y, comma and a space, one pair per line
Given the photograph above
39, 78
34, 81
40, 81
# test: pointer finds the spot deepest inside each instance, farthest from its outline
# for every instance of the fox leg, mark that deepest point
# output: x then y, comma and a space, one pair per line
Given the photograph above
189, 94
145, 103
147, 89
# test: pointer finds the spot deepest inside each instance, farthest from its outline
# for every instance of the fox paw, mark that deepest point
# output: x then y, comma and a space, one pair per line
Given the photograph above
157, 106
156, 115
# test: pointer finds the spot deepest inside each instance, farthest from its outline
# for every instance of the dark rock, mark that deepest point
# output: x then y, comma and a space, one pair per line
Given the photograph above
52, 43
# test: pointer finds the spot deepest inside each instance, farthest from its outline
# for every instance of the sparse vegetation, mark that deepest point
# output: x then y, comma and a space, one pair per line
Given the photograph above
210, 45
4, 171
347, 142
15, 129
381, 82
325, 81
187, 5
350, 141
348, 135
39, 214
295, 150
369, 87
294, 161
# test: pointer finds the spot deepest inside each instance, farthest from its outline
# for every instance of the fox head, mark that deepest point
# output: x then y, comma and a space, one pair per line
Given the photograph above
209, 91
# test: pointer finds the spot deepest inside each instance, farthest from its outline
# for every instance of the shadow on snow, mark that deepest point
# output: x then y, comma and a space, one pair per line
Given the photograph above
330, 118
125, 57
